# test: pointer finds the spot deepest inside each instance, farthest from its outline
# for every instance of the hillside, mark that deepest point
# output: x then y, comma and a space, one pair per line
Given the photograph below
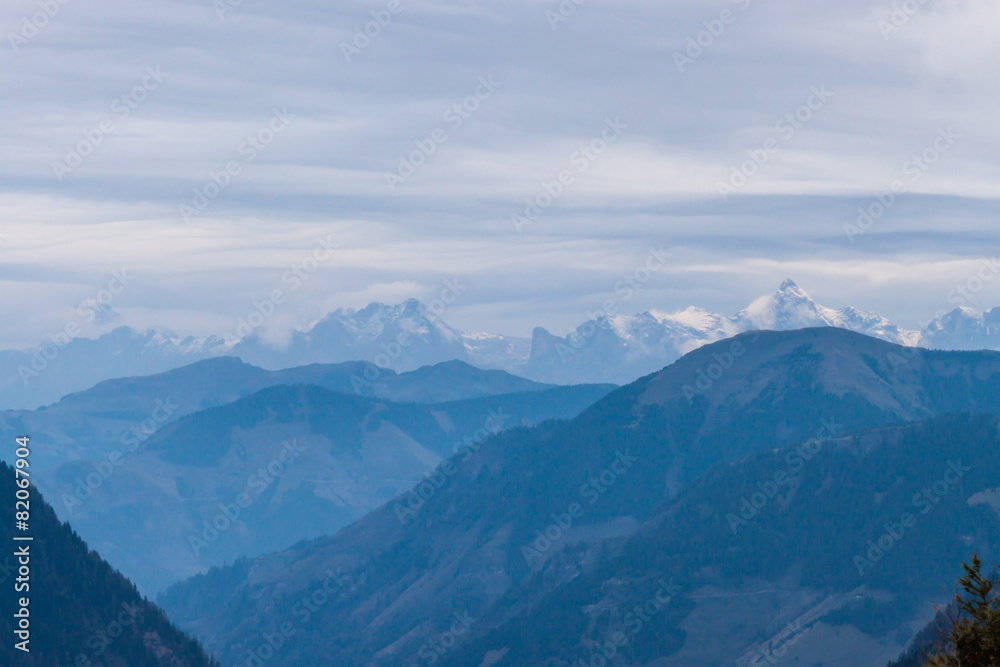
841, 565
281, 465
615, 464
120, 413
81, 610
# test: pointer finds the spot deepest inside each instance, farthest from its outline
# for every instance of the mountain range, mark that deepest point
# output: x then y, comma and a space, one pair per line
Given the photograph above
142, 465
403, 337
286, 463
124, 412
740, 493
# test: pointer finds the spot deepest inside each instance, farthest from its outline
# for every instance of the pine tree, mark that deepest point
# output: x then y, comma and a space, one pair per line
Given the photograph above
974, 637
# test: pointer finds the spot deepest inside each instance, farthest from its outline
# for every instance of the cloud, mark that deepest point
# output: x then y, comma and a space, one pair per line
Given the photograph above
687, 130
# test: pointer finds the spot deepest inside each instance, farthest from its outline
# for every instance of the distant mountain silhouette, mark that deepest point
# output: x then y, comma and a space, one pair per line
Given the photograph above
117, 413
307, 460
406, 336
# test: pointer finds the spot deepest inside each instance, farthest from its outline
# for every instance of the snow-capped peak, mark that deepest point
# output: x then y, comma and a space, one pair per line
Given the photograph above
790, 307
615, 348
691, 317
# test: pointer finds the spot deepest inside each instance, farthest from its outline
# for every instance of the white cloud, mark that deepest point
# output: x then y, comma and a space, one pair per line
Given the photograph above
353, 120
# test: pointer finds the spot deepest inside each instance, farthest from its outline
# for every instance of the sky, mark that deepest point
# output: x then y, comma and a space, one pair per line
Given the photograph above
532, 151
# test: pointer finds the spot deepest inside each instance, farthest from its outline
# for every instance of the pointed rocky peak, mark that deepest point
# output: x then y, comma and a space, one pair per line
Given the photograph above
961, 317
790, 307
788, 286
412, 308
381, 311
790, 293
371, 321
965, 313
963, 328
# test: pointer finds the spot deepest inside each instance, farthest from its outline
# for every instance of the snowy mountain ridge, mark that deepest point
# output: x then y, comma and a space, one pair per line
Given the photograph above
406, 336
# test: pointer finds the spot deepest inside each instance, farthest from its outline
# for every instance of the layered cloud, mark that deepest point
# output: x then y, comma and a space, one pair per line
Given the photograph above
174, 105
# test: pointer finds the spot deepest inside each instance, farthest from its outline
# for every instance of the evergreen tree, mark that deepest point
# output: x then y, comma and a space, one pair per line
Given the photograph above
974, 637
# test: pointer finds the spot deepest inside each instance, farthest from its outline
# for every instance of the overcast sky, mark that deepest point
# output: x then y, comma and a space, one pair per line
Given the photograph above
666, 120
